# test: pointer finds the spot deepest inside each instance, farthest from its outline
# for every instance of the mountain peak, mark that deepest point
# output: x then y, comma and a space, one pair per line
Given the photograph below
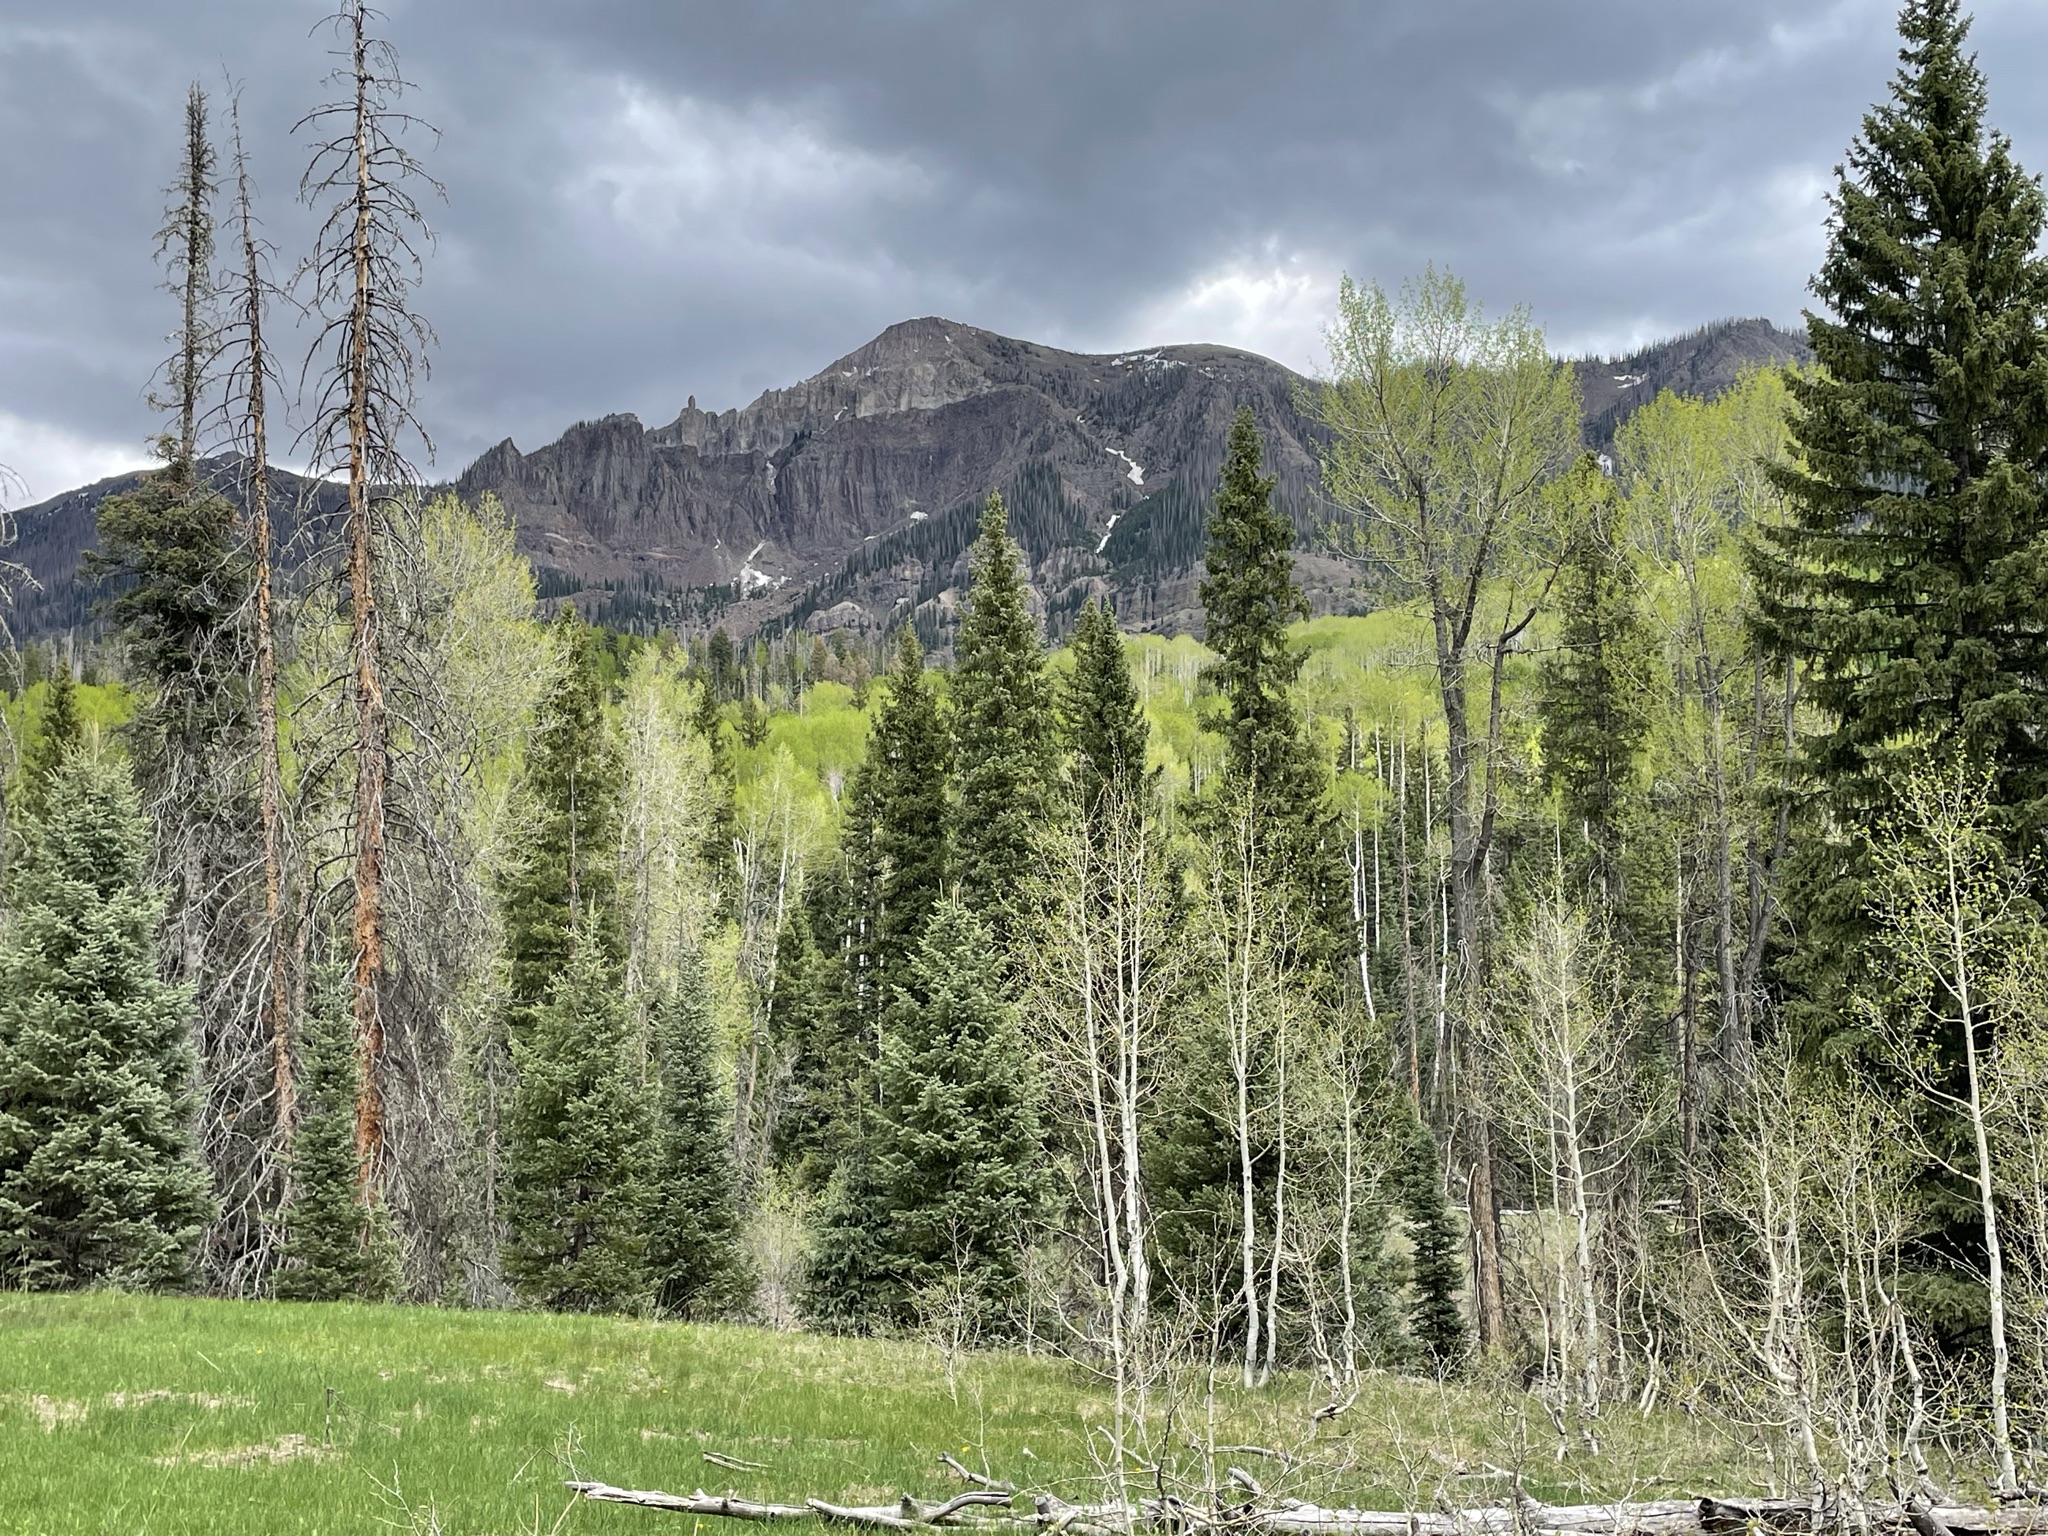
850, 496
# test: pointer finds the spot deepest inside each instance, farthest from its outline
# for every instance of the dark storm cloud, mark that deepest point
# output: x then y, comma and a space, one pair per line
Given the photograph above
649, 199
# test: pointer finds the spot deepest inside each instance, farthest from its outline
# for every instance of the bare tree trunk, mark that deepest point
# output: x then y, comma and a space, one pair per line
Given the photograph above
188, 239
1985, 1178
1240, 1065
366, 651
363, 268
1408, 998
1280, 1044
1688, 1047
255, 392
1734, 1049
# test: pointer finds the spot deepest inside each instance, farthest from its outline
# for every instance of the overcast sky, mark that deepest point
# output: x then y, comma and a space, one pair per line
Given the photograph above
649, 199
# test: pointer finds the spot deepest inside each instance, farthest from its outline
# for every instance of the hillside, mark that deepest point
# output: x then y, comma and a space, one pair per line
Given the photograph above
848, 499
1703, 363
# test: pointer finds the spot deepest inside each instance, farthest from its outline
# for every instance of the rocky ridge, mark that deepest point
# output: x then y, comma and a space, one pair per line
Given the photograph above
848, 499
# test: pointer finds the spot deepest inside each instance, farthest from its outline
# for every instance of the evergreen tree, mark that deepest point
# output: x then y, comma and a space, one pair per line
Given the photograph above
578, 1149
1436, 1320
1591, 691
98, 1183
849, 1285
1003, 728
337, 1247
753, 723
721, 827
699, 1270
1911, 579
721, 668
912, 757
827, 995
564, 898
1249, 597
57, 735
1103, 717
956, 1139
808, 1020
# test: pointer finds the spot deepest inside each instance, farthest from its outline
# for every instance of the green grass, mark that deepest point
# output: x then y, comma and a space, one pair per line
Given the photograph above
123, 1414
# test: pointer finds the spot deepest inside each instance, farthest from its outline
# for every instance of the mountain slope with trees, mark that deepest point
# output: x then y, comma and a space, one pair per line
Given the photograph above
862, 484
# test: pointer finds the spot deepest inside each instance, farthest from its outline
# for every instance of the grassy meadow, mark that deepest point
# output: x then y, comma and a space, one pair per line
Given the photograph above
171, 1417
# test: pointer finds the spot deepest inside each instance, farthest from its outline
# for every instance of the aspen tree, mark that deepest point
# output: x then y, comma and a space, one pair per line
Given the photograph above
1445, 430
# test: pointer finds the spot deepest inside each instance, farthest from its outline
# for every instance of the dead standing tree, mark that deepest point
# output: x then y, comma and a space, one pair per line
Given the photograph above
248, 373
366, 358
175, 542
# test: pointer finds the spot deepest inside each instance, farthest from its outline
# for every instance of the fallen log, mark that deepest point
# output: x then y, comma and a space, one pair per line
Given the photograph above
908, 1514
698, 1503
1520, 1516
968, 1475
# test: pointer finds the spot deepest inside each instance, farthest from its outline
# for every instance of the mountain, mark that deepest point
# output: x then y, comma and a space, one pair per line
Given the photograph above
849, 499
53, 536
1702, 363
859, 485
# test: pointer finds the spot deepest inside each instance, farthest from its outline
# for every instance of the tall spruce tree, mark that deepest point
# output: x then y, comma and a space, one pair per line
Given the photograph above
958, 1160
1911, 579
826, 1002
57, 735
98, 1181
1591, 691
1249, 596
580, 1148
850, 1283
721, 826
1104, 719
1003, 728
337, 1248
808, 1021
699, 1270
911, 751
564, 898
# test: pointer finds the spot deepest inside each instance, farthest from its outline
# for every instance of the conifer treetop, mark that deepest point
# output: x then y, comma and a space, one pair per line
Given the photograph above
1912, 572
1002, 724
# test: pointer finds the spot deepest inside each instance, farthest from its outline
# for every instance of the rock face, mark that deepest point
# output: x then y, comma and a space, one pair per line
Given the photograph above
747, 515
848, 501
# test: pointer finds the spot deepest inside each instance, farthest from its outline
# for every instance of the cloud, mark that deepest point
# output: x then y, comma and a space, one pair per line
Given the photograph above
1270, 303
47, 460
650, 199
673, 171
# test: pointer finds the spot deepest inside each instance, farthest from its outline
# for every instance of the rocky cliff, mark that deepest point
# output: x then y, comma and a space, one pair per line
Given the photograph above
848, 500
756, 515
